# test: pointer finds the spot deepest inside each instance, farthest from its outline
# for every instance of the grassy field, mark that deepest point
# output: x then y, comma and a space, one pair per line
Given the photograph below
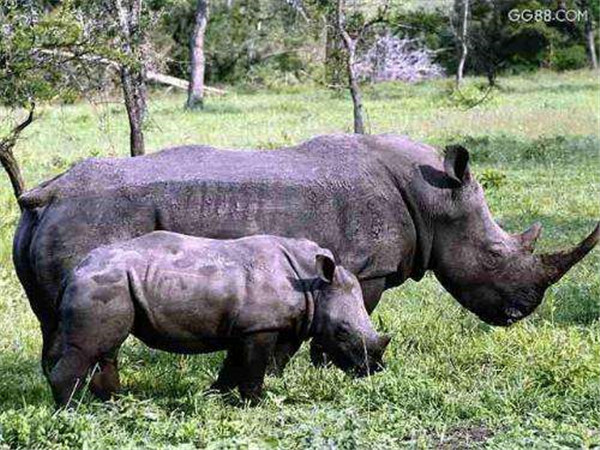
451, 381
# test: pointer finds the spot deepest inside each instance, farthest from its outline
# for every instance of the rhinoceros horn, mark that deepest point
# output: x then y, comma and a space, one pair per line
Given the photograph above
555, 265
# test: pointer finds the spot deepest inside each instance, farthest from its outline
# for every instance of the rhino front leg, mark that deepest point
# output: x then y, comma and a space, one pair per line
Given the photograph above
372, 291
229, 374
51, 349
106, 382
256, 351
285, 348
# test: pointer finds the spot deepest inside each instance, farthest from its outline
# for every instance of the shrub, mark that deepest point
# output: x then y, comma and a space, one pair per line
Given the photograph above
569, 58
491, 179
390, 58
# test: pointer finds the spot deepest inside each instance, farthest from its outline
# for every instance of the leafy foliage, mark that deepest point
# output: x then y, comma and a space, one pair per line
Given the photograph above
27, 73
242, 36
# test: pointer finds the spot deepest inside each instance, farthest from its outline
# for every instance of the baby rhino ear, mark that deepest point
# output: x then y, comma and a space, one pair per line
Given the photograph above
325, 268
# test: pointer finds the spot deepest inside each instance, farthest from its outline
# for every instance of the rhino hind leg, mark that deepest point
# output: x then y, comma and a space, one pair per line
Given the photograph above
95, 322
68, 376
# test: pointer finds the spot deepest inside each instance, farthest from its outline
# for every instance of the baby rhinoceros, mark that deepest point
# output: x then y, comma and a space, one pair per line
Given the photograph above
184, 294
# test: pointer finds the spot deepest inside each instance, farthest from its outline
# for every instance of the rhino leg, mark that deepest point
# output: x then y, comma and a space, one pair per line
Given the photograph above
255, 352
372, 290
106, 382
228, 378
95, 322
51, 349
285, 348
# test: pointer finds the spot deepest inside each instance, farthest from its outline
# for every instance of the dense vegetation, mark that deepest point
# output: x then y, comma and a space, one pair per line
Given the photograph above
269, 42
451, 380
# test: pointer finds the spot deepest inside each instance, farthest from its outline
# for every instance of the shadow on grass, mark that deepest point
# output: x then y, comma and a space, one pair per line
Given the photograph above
562, 88
152, 374
219, 108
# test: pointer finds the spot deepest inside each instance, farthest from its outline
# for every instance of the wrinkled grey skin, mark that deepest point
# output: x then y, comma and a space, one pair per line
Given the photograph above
186, 294
387, 207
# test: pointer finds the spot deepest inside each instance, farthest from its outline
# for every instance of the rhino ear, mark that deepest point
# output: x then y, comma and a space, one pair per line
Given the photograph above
325, 268
456, 163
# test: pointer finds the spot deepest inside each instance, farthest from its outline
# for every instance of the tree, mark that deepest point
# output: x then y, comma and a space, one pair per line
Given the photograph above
351, 34
133, 77
350, 45
334, 50
31, 71
196, 86
592, 10
462, 40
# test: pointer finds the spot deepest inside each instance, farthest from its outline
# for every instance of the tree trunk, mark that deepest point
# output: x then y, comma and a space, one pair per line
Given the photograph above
135, 103
359, 125
350, 47
11, 166
334, 51
463, 42
133, 79
196, 87
589, 33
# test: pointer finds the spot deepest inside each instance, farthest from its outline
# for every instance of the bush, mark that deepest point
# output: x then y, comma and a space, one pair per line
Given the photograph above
390, 58
491, 178
467, 96
569, 58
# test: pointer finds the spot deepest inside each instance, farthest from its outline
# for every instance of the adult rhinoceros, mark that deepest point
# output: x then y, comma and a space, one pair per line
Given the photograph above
388, 208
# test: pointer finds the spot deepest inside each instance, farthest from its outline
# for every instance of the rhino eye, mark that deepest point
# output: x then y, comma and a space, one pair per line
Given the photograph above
495, 254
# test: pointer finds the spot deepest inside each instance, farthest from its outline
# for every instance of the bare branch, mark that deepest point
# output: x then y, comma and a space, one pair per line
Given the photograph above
7, 157
9, 141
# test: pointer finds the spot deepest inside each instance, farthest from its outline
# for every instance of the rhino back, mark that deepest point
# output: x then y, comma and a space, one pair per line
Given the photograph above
185, 287
334, 190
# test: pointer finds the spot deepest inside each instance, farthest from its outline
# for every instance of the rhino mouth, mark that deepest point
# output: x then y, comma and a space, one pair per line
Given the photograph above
505, 317
368, 369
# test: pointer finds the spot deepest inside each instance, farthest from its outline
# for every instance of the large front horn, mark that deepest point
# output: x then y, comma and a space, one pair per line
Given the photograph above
557, 264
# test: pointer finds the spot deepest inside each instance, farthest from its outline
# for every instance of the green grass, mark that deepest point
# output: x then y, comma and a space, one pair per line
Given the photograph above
451, 380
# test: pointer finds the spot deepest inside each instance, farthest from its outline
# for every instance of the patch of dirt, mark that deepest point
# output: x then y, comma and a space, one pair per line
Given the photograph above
464, 438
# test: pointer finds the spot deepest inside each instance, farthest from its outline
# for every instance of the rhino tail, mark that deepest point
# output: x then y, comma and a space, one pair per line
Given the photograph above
40, 195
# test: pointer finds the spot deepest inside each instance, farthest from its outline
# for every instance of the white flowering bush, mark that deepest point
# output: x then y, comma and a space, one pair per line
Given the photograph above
391, 58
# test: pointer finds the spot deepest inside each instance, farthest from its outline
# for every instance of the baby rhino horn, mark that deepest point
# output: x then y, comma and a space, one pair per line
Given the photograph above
529, 236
